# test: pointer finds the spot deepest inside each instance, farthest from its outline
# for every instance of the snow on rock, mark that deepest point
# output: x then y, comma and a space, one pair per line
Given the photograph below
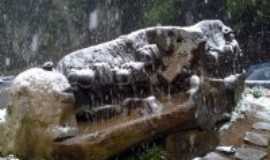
40, 80
38, 104
3, 113
246, 104
9, 157
61, 132
169, 46
194, 84
154, 105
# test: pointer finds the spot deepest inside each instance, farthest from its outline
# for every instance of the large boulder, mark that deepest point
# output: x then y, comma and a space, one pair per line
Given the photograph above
39, 111
117, 77
151, 61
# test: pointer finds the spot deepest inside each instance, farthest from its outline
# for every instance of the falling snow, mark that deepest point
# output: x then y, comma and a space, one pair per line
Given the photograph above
93, 20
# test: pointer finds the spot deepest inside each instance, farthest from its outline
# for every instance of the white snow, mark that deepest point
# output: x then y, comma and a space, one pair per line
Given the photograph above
212, 30
136, 65
230, 80
93, 20
246, 104
7, 61
121, 71
226, 149
155, 105
61, 129
3, 113
35, 43
84, 72
9, 157
41, 80
194, 84
263, 102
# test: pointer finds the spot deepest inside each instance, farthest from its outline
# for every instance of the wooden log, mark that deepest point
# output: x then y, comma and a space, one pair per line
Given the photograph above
103, 144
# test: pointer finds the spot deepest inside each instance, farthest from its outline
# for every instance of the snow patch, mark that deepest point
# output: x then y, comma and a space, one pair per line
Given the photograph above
9, 157
135, 65
41, 80
230, 80
3, 113
61, 129
245, 105
194, 84
84, 72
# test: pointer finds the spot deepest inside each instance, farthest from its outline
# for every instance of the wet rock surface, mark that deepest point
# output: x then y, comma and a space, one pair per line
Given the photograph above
5, 83
250, 154
190, 144
257, 139
261, 126
4, 97
247, 134
214, 156
217, 99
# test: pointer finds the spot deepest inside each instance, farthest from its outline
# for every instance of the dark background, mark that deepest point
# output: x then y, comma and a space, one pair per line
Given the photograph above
34, 31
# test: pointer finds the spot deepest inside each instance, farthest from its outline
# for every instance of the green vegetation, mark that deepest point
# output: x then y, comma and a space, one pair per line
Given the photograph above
251, 15
62, 26
153, 152
161, 12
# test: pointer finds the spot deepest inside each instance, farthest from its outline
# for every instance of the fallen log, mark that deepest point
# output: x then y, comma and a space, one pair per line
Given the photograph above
103, 144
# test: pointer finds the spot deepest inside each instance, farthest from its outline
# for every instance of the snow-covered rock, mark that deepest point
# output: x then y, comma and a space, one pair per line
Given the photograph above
38, 105
169, 46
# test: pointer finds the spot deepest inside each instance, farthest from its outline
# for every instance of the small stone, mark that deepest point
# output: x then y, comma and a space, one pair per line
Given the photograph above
261, 126
226, 149
249, 154
61, 133
48, 66
256, 138
214, 156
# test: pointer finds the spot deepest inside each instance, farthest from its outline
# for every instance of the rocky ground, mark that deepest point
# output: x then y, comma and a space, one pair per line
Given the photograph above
247, 136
